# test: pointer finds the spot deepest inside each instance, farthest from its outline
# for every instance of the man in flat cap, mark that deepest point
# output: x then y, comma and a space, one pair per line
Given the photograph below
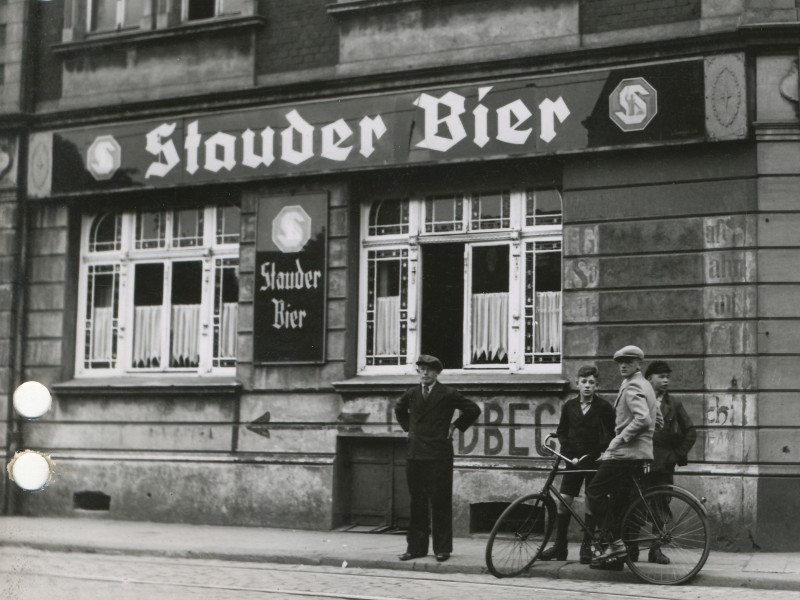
426, 412
671, 443
636, 415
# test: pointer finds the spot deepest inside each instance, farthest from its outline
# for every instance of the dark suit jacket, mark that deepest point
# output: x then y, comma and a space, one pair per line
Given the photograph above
581, 434
672, 443
427, 420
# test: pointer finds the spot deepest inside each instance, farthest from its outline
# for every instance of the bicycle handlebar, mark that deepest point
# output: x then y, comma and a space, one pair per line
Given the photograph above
573, 461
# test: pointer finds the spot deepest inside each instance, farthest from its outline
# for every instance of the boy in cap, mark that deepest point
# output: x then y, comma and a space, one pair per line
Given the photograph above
585, 427
426, 412
671, 443
636, 415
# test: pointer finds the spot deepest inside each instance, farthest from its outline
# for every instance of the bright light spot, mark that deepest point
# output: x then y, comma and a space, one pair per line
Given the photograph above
32, 400
30, 470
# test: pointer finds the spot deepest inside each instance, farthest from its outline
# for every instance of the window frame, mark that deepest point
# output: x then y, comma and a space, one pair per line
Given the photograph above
119, 17
518, 235
126, 259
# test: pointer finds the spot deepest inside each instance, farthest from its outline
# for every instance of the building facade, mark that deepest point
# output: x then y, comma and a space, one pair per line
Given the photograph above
234, 224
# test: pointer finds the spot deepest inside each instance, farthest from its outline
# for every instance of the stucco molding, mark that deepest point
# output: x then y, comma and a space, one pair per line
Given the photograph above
140, 386
347, 7
470, 382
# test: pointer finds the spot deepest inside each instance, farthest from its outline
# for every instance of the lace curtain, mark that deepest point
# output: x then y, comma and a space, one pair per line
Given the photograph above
387, 326
185, 335
101, 333
228, 329
146, 336
490, 326
548, 322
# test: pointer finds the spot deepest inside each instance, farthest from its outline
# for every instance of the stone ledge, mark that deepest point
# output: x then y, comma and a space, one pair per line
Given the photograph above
148, 386
467, 382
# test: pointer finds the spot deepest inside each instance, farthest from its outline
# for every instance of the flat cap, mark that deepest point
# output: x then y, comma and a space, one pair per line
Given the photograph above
629, 352
426, 360
657, 367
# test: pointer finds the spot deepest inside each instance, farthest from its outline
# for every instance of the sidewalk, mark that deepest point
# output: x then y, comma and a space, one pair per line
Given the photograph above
773, 570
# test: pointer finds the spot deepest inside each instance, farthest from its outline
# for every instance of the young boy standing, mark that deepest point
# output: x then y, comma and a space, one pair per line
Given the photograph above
586, 427
671, 444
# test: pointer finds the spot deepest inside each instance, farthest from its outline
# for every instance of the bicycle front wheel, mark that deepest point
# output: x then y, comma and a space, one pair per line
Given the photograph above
669, 528
519, 535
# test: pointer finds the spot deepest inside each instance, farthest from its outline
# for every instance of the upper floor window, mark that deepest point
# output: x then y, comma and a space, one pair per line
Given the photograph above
474, 279
208, 9
110, 15
159, 292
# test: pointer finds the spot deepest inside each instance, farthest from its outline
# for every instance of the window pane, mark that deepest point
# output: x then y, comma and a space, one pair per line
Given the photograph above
104, 15
489, 305
134, 9
148, 298
543, 207
543, 303
491, 211
387, 307
444, 213
226, 311
228, 224
150, 230
388, 217
187, 295
201, 9
442, 311
187, 228
230, 7
102, 317
105, 233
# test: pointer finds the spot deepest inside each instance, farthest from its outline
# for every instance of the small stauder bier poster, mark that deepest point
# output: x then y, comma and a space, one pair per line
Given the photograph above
290, 279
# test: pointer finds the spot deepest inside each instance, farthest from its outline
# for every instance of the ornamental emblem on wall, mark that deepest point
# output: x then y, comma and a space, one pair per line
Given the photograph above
291, 228
633, 104
103, 157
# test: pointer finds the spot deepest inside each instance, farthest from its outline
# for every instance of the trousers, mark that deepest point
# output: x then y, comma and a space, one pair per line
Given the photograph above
609, 492
430, 485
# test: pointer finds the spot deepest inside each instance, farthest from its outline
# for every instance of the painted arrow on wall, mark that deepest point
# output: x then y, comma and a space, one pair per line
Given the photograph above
260, 425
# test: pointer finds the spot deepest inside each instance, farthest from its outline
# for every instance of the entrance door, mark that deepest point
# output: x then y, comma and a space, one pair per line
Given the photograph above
374, 494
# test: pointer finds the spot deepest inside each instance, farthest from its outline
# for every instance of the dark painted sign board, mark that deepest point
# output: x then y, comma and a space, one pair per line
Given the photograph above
646, 105
290, 279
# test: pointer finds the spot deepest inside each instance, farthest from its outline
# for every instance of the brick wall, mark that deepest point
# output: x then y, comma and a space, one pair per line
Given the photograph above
299, 35
598, 16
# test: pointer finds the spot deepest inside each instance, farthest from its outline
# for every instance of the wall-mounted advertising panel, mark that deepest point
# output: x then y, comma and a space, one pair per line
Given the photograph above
290, 279
635, 106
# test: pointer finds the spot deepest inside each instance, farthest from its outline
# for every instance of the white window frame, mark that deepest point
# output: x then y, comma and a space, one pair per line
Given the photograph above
518, 235
219, 10
127, 257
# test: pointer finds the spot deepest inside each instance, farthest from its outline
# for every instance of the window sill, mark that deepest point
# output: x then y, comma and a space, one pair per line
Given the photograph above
138, 36
345, 7
466, 382
145, 386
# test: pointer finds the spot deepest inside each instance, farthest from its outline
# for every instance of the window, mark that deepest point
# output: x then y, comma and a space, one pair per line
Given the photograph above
195, 10
111, 15
474, 279
159, 291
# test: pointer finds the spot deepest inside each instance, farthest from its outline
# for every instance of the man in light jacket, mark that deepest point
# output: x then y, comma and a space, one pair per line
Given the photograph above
636, 415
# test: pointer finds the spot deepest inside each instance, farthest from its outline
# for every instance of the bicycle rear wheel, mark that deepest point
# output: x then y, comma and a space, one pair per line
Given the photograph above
519, 535
666, 522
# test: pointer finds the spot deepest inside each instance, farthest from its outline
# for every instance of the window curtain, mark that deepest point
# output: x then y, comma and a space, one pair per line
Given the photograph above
228, 329
146, 336
387, 326
185, 335
490, 325
101, 333
548, 322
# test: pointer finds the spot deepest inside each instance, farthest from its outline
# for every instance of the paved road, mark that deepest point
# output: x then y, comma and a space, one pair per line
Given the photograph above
27, 574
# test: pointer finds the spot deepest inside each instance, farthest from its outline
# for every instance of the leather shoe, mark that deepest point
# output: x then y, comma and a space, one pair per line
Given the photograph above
656, 556
442, 556
554, 552
615, 549
409, 556
614, 564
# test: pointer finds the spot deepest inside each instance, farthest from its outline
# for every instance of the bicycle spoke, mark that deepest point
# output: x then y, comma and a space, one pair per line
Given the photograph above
518, 537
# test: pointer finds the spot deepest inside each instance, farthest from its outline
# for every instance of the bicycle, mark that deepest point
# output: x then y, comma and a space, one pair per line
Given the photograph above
664, 517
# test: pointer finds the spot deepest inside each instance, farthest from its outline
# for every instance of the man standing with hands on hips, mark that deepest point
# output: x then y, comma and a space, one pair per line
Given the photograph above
426, 411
